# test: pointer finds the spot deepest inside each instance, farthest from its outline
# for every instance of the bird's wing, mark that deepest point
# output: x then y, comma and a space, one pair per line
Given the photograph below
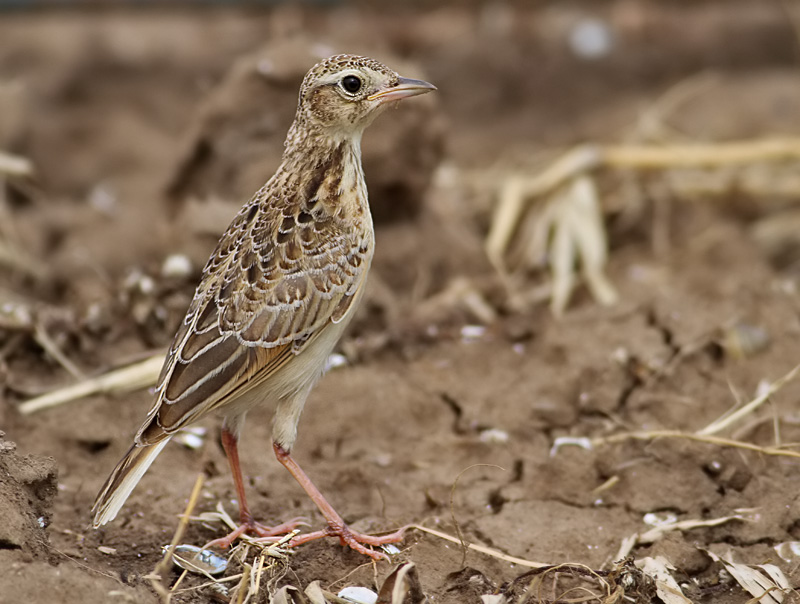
277, 278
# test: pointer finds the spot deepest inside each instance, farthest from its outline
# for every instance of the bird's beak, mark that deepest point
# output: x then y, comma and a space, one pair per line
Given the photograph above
404, 88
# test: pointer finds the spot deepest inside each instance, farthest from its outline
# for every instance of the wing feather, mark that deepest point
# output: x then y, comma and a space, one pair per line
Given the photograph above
264, 295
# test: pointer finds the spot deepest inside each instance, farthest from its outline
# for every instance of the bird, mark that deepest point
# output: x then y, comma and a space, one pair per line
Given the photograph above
276, 295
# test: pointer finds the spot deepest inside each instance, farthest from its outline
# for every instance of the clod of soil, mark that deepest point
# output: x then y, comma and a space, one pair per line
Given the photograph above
28, 485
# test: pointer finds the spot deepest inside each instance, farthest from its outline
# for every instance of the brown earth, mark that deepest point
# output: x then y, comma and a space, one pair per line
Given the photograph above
147, 130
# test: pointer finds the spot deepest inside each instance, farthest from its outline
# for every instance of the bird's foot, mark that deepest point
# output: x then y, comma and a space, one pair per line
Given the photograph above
353, 539
258, 530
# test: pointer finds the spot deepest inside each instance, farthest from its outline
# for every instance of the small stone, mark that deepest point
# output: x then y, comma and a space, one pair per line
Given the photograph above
176, 266
358, 595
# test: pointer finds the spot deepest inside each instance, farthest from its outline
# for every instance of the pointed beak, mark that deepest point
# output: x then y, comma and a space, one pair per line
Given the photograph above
405, 88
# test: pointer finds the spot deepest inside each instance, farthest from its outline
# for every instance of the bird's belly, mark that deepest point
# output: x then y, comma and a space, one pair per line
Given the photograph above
295, 379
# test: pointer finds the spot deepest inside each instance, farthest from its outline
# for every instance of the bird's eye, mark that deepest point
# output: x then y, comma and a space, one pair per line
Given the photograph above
351, 84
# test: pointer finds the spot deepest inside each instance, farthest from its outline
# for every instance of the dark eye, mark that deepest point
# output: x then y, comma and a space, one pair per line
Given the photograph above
351, 84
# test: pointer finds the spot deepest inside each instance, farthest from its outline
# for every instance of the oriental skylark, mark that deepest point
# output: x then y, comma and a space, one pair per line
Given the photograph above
276, 295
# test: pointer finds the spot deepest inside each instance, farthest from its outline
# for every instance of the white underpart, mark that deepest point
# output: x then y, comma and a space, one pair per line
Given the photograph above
353, 172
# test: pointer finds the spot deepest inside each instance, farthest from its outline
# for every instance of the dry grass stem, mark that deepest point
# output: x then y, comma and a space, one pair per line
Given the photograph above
452, 506
537, 586
657, 532
126, 379
259, 569
568, 184
15, 165
156, 577
732, 417
584, 219
243, 594
667, 587
713, 440
608, 484
651, 125
765, 582
661, 157
626, 547
229, 579
179, 581
45, 341
480, 548
459, 293
568, 229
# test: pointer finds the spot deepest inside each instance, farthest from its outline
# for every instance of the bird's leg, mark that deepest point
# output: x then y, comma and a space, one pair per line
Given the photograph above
247, 523
336, 526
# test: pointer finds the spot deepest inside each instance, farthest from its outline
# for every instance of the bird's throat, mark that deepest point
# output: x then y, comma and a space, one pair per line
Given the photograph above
327, 173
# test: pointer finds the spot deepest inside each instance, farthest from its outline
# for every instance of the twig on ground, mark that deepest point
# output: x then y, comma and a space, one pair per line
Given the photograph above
480, 548
732, 417
126, 379
45, 341
15, 165
767, 587
274, 551
713, 440
655, 533
156, 576
452, 507
558, 185
243, 593
660, 570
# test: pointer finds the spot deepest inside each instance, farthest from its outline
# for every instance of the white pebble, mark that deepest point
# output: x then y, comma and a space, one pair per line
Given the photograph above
146, 284
659, 519
472, 332
390, 549
335, 361
176, 266
577, 441
358, 595
590, 39
103, 199
494, 436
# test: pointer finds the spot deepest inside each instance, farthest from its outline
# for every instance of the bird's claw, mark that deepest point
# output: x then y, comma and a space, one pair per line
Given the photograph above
353, 540
260, 531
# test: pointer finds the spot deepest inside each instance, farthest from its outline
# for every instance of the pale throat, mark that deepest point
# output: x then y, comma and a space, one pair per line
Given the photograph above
352, 187
353, 172
333, 160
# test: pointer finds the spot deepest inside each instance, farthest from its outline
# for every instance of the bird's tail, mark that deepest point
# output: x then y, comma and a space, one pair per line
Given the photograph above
123, 479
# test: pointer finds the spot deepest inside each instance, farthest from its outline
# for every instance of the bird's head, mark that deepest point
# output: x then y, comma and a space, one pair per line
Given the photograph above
344, 93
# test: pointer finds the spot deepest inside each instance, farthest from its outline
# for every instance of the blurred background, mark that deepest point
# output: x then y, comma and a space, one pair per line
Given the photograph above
166, 116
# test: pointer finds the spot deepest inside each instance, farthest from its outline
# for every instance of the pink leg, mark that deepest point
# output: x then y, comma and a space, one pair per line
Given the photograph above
248, 525
336, 526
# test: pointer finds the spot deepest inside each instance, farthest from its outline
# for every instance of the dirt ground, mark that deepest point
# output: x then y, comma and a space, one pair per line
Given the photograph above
147, 129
